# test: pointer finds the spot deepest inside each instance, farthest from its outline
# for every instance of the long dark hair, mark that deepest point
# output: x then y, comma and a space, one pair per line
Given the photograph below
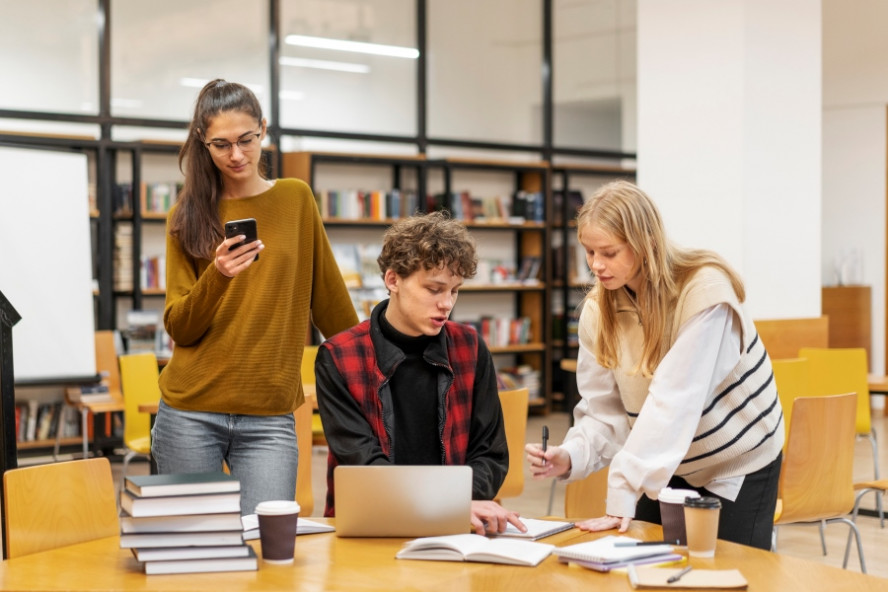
195, 221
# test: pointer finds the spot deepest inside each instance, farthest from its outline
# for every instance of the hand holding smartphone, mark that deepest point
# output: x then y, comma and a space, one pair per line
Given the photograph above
246, 227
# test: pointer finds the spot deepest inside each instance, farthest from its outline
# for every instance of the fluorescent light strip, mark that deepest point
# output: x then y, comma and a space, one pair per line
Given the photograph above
353, 46
325, 65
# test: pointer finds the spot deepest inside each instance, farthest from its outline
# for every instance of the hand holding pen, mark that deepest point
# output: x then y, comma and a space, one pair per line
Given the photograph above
547, 461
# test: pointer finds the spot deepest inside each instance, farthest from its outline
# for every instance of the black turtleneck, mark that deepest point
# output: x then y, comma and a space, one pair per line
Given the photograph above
415, 401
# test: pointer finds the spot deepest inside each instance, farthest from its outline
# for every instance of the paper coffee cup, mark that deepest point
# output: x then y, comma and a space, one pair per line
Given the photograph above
277, 530
701, 522
672, 513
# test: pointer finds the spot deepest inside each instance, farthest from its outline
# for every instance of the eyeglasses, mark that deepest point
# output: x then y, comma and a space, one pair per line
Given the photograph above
245, 143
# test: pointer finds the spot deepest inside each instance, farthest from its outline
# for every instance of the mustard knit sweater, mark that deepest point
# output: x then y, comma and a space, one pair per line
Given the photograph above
239, 341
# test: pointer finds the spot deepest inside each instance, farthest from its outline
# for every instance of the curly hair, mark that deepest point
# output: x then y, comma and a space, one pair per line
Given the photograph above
428, 241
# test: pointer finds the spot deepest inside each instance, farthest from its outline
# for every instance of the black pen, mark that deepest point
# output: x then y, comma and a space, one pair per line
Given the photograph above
679, 575
644, 543
545, 441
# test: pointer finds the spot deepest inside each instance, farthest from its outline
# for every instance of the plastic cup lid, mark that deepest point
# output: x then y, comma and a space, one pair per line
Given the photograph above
277, 507
703, 502
676, 496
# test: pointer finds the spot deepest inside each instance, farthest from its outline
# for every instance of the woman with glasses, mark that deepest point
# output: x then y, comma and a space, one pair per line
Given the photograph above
240, 321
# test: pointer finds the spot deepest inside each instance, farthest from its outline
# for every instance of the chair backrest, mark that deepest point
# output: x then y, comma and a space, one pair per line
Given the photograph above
514, 403
138, 377
816, 480
304, 494
106, 360
784, 337
586, 498
792, 376
59, 504
309, 354
836, 370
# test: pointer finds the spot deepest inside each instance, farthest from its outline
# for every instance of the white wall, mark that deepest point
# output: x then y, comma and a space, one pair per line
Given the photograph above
729, 118
855, 93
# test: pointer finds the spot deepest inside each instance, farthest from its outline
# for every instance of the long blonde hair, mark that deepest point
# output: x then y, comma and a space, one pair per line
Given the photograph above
624, 211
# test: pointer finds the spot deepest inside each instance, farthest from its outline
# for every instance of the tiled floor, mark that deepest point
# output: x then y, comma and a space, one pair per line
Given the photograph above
798, 541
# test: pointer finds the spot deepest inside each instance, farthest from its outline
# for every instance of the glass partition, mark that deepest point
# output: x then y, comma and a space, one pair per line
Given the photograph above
484, 70
349, 66
164, 51
60, 45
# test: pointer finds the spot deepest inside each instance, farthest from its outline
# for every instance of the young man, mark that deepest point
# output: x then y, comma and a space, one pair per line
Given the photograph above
410, 387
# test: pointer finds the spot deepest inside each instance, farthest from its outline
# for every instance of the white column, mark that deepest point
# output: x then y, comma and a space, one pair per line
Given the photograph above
729, 138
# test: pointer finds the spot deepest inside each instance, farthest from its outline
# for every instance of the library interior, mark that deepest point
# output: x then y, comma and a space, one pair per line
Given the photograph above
759, 128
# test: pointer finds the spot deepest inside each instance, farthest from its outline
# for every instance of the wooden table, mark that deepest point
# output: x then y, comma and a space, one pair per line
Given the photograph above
326, 562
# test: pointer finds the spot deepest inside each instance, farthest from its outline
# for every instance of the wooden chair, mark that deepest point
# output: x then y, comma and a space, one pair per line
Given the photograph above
586, 498
139, 379
59, 504
304, 495
784, 337
818, 465
792, 376
309, 355
842, 370
515, 404
107, 368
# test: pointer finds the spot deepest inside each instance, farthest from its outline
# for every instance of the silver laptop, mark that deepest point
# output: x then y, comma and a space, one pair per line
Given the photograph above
402, 500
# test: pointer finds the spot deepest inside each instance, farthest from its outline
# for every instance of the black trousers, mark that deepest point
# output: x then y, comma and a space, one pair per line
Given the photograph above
749, 520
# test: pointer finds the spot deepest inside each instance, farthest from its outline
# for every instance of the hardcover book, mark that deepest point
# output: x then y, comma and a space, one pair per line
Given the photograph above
185, 523
248, 563
181, 539
181, 484
178, 505
174, 553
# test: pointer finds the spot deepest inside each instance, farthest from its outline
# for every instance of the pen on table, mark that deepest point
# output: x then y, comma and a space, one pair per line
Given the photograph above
679, 575
645, 543
545, 441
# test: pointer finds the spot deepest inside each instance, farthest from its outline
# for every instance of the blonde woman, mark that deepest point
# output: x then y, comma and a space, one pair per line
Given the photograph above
676, 387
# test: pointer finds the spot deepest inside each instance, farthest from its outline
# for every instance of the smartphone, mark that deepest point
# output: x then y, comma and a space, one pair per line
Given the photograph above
247, 227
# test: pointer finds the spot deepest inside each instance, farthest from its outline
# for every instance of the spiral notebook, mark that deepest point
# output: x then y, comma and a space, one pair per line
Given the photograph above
402, 500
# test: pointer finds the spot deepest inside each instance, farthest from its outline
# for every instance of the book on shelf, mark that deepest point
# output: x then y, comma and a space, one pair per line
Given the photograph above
177, 505
303, 526
90, 393
174, 553
656, 578
185, 523
216, 564
181, 484
536, 529
605, 550
476, 548
181, 539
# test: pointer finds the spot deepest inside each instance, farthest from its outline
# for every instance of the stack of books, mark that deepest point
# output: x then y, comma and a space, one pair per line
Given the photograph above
185, 523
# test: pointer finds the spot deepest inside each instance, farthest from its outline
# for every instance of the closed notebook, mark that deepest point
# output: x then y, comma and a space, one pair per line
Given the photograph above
474, 547
181, 484
604, 550
177, 505
536, 529
179, 566
655, 578
665, 560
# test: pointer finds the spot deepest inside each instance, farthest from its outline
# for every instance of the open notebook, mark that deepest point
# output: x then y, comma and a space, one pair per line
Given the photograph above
402, 500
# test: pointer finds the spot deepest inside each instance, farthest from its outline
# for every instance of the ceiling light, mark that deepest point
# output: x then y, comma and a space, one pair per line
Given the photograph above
325, 65
354, 46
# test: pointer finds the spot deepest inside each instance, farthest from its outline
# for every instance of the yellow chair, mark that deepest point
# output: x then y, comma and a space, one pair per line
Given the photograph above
818, 465
586, 498
55, 505
514, 403
304, 495
844, 370
138, 377
792, 377
107, 368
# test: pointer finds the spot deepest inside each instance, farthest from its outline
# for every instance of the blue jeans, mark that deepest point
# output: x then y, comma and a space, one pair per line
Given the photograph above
260, 450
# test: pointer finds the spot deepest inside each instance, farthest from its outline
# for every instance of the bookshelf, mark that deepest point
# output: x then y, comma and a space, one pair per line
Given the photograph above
508, 242
572, 185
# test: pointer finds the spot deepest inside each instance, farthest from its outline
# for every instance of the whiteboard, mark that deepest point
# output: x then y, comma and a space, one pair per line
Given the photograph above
45, 263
